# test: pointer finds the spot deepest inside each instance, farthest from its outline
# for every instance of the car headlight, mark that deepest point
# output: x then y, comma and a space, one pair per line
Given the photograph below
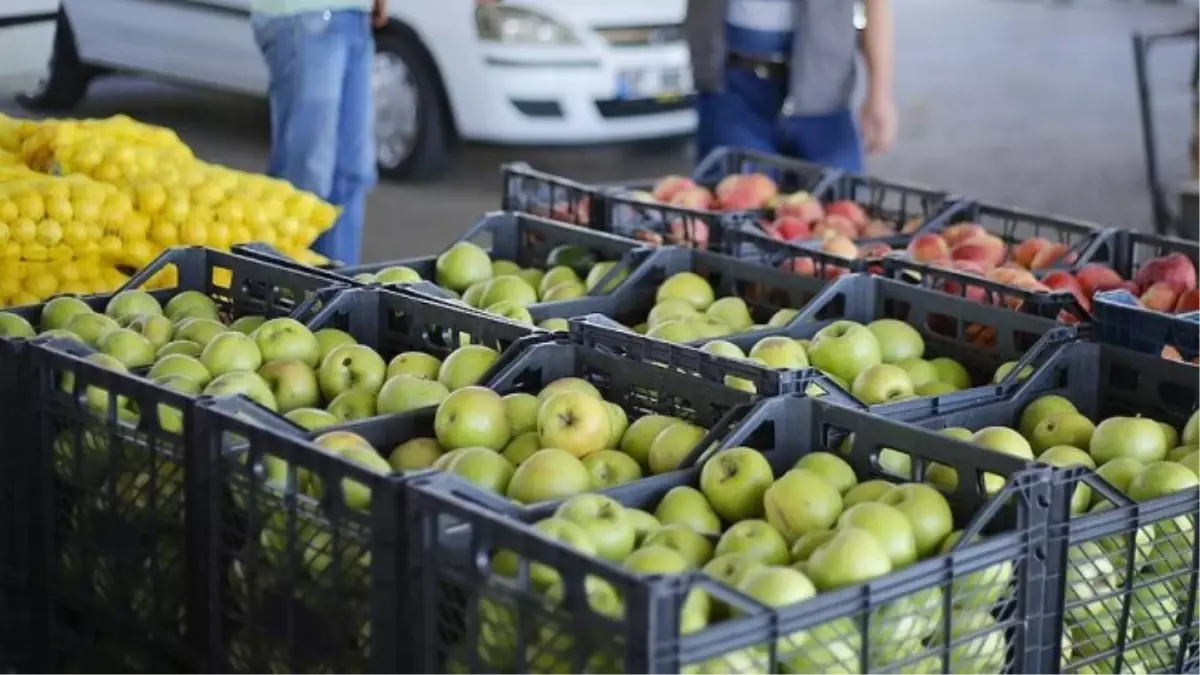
517, 25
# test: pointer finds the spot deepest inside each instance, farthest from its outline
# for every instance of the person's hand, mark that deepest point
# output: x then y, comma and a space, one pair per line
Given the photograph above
379, 13
877, 121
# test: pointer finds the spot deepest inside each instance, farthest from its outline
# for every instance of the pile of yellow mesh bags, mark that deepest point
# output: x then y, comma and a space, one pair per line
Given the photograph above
84, 203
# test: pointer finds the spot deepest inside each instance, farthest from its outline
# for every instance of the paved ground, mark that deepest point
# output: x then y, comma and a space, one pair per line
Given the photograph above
1024, 102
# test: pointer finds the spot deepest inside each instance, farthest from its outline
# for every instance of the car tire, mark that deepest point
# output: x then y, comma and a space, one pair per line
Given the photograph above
429, 147
68, 78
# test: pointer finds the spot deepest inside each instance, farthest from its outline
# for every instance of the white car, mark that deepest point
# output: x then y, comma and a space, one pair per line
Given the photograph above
557, 72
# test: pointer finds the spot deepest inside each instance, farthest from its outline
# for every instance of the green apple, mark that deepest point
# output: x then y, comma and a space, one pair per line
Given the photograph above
522, 447
549, 474
694, 547
723, 348
461, 265
832, 656
190, 305
618, 424
578, 258
472, 416
1064, 456
466, 366
1066, 428
1119, 471
511, 311
671, 309
869, 491
566, 384
927, 512
1006, 368
1135, 437
170, 418
951, 372
643, 524
780, 587
179, 364
128, 347
574, 421
353, 404
201, 331
1007, 441
675, 331
898, 341
978, 643
641, 434
331, 338
502, 267
684, 505
293, 383
522, 410
352, 366
689, 287
128, 303
605, 522
555, 276
414, 454
532, 276
508, 288
1191, 430
91, 328
474, 293
246, 383
285, 339
832, 468
230, 352
731, 311
852, 556
597, 274
398, 274
483, 467
672, 446
941, 475
845, 349
800, 501
656, 560
921, 373
1160, 478
154, 327
882, 383
181, 347
610, 468
757, 539
447, 458
311, 418
507, 563
935, 388
403, 393
888, 525
1169, 433
982, 589
1191, 460
730, 569
417, 364
802, 549
780, 351
58, 311
734, 481
247, 324
782, 318
554, 324
1041, 409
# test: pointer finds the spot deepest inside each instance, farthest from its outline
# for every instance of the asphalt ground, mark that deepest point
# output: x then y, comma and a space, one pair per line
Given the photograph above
1028, 103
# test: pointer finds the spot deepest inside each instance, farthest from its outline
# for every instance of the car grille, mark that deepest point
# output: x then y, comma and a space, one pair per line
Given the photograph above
641, 36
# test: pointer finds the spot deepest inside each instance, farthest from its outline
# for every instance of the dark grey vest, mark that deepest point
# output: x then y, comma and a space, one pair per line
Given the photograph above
823, 61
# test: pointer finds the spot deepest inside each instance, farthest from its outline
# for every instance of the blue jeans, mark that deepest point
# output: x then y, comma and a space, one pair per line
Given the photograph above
746, 115
322, 114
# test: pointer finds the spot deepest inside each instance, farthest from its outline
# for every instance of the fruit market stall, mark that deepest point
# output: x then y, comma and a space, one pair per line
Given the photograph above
766, 418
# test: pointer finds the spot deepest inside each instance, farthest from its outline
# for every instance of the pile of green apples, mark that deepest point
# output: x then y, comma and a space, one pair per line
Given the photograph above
316, 378
506, 289
563, 441
1144, 459
780, 540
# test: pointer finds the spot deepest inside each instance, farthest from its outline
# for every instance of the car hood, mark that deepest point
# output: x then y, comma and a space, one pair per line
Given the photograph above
611, 13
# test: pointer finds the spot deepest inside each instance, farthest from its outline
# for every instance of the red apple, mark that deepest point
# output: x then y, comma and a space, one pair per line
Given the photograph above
669, 186
1095, 277
847, 209
1174, 269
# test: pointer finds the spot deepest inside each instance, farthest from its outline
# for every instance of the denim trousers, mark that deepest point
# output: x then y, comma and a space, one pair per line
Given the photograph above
746, 115
322, 114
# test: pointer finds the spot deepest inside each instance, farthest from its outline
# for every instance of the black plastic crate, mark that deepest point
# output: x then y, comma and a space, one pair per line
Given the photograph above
521, 238
474, 619
1090, 568
760, 278
1121, 319
301, 580
979, 337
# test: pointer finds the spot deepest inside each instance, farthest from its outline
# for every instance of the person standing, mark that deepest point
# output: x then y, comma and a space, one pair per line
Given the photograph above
778, 76
320, 56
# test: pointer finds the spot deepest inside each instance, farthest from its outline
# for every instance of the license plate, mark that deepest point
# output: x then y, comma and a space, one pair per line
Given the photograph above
663, 84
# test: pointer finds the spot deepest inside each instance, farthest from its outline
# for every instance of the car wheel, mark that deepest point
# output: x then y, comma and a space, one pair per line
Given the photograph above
413, 139
67, 81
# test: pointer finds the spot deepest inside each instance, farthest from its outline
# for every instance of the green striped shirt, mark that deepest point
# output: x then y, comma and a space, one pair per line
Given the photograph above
289, 7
